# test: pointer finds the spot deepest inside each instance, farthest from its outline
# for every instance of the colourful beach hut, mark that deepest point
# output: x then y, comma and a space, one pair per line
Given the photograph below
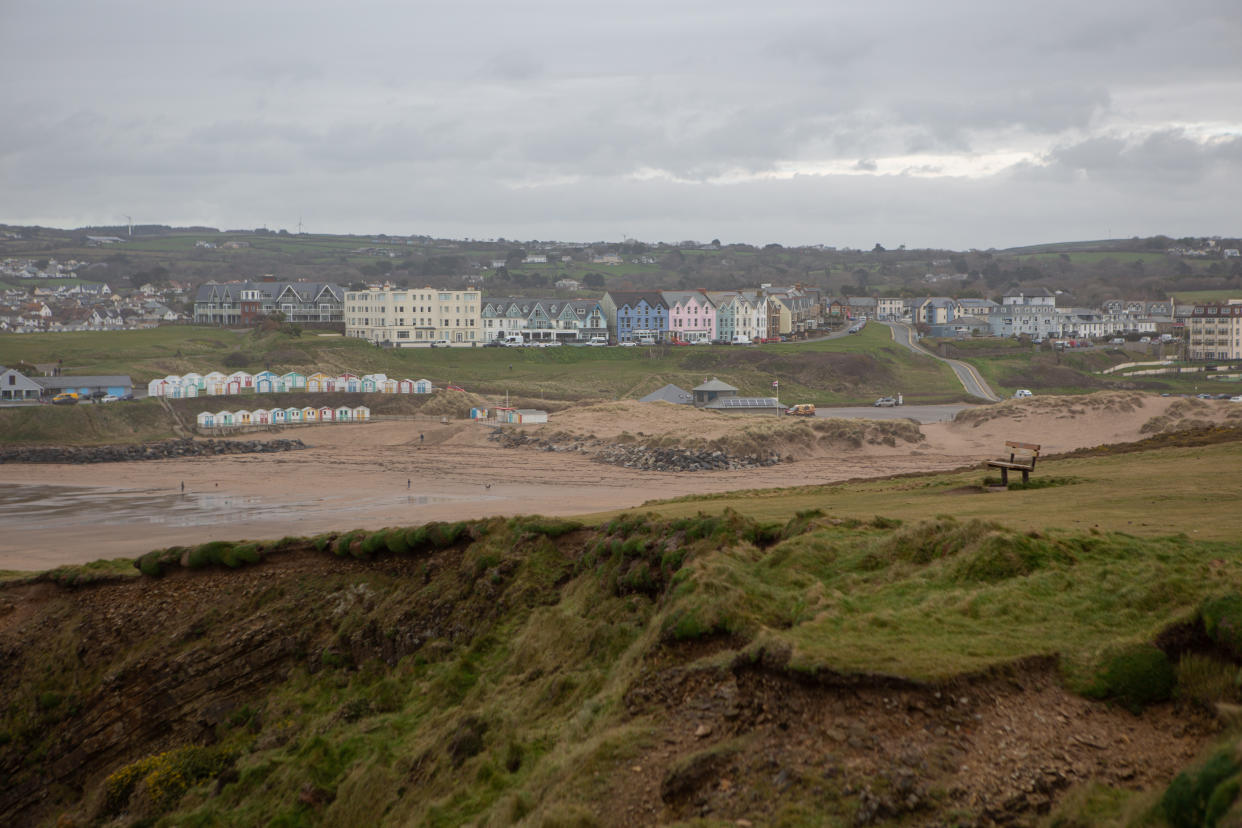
278, 416
241, 418
349, 382
242, 378
293, 415
310, 415
369, 386
361, 413
388, 386
422, 386
327, 414
319, 382
197, 379
343, 414
189, 388
265, 382
478, 413
224, 418
206, 419
405, 386
294, 381
261, 416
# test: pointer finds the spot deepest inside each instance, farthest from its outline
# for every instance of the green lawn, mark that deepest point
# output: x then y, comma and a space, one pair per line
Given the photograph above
1157, 492
854, 369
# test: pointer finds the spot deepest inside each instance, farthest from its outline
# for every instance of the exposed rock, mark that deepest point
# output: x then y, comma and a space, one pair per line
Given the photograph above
144, 451
643, 457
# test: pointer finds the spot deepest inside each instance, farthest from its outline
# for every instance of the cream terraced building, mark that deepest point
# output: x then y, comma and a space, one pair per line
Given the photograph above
1215, 330
409, 317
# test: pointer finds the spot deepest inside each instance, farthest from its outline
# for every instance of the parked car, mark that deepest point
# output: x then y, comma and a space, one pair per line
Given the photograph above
801, 410
107, 398
65, 398
439, 343
1022, 392
495, 343
628, 344
598, 341
885, 402
1235, 399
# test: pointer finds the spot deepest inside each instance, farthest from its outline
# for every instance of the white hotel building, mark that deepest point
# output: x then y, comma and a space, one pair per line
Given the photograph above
402, 317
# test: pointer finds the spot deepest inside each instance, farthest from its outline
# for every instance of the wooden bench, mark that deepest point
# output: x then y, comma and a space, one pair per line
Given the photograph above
1022, 457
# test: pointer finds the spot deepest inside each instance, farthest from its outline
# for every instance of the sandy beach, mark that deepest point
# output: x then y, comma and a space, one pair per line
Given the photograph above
382, 474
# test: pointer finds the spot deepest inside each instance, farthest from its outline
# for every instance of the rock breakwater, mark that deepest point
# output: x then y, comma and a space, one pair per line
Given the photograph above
163, 450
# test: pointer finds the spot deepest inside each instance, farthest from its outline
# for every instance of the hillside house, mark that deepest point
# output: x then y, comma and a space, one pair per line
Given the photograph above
15, 386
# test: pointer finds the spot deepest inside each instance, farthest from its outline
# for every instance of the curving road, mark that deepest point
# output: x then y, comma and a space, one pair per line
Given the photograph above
970, 379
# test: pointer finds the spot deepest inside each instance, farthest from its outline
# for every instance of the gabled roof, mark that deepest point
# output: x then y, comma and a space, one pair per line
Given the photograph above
622, 298
674, 297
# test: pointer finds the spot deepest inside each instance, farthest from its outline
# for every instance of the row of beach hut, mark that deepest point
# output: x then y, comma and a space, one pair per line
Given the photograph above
284, 416
268, 382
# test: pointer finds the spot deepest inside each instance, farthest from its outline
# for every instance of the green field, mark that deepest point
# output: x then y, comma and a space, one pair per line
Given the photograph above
854, 369
1095, 257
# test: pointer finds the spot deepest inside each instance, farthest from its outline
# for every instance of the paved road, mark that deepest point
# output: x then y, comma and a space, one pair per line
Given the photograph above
918, 413
974, 384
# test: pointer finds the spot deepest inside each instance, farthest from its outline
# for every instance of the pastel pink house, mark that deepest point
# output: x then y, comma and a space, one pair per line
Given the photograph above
691, 315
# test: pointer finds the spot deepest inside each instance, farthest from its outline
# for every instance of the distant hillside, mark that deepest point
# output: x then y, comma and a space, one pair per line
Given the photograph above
1087, 270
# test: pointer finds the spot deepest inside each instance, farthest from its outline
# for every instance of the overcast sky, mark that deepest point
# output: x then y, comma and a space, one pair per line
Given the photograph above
946, 124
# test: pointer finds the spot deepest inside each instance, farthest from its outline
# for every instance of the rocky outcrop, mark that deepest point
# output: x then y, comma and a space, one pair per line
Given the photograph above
146, 451
640, 456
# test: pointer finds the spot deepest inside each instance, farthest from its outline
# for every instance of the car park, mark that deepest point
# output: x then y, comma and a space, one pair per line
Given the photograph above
885, 402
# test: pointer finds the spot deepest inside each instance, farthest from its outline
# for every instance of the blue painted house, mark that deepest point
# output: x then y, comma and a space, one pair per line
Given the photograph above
633, 315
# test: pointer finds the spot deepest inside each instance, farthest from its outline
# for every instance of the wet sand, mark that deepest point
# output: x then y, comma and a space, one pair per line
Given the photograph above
381, 474
366, 476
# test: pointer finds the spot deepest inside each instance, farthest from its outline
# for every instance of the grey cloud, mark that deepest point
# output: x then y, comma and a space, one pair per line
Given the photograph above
458, 116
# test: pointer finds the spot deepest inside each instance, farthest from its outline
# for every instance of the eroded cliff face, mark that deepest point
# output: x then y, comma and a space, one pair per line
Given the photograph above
519, 671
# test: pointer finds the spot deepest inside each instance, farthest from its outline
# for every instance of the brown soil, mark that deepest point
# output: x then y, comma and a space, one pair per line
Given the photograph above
1004, 747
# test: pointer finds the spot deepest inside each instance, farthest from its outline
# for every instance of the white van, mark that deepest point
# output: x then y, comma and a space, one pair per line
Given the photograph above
514, 341
741, 339
646, 340
598, 341
1022, 392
